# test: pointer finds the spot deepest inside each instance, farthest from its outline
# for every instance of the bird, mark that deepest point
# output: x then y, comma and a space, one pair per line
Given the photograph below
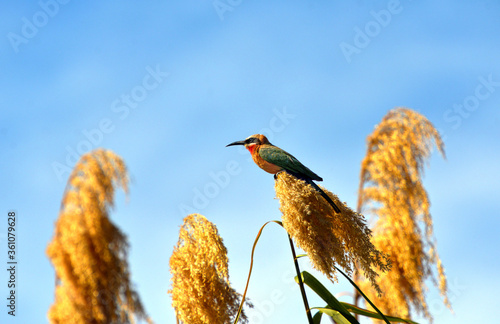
274, 160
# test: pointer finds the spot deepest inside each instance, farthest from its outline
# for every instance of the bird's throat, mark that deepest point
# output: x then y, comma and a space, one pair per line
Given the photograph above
251, 148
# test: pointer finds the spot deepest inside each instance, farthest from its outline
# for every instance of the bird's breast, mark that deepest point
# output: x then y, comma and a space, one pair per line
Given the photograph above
264, 165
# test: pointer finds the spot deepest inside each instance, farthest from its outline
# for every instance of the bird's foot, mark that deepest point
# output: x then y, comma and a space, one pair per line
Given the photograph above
276, 174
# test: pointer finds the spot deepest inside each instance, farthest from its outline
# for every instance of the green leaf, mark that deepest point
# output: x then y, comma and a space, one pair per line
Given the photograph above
322, 292
367, 313
335, 315
317, 317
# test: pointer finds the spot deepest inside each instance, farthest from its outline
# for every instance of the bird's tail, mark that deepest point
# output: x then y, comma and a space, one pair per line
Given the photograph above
330, 201
318, 189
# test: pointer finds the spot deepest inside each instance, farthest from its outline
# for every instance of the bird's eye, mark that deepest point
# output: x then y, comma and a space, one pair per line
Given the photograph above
251, 140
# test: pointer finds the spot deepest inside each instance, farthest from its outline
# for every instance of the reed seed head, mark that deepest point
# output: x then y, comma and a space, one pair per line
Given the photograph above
391, 188
328, 238
88, 251
201, 292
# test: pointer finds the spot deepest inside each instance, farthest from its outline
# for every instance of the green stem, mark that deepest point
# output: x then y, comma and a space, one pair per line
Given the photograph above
357, 296
364, 296
301, 283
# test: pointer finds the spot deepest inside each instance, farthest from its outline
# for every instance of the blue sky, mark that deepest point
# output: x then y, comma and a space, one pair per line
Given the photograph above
166, 85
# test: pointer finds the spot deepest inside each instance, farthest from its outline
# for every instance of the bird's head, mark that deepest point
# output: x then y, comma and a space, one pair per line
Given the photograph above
252, 142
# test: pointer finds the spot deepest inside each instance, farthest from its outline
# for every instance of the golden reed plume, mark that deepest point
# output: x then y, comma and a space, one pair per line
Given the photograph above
327, 237
88, 251
201, 292
391, 188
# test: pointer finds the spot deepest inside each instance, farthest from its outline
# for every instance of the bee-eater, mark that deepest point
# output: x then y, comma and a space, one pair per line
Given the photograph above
272, 159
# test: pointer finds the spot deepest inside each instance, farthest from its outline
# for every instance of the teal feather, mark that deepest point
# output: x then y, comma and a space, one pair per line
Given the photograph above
288, 162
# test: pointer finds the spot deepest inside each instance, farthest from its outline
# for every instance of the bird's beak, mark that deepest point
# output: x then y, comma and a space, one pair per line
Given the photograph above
236, 143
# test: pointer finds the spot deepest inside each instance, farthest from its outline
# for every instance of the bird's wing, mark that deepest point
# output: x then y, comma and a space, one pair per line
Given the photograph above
285, 160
